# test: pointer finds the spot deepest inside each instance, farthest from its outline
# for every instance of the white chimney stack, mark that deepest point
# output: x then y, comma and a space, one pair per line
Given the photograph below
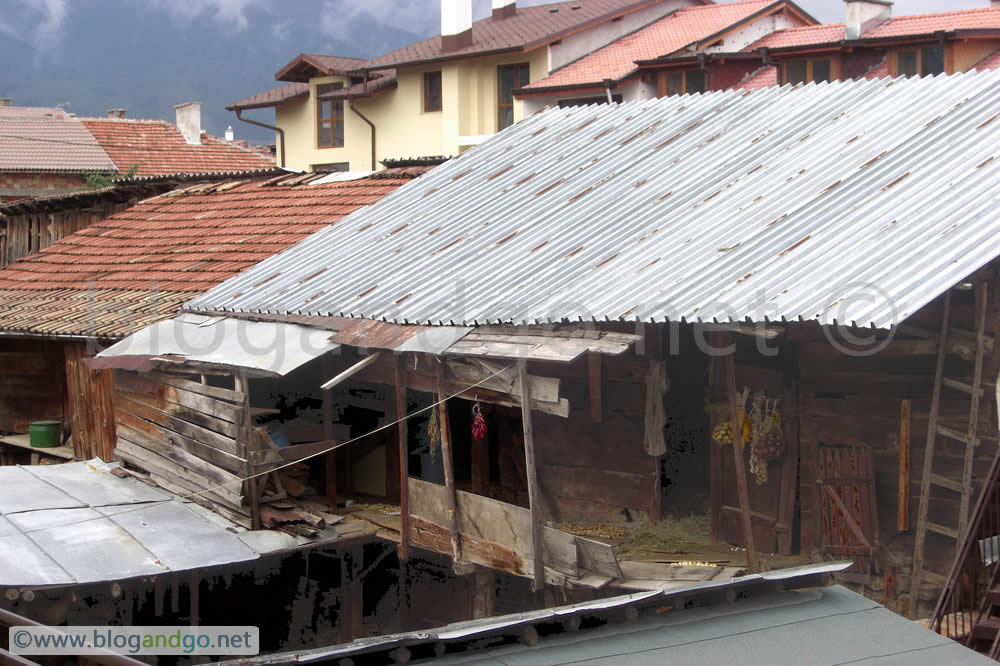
116, 113
505, 8
865, 15
456, 24
229, 134
189, 122
6, 101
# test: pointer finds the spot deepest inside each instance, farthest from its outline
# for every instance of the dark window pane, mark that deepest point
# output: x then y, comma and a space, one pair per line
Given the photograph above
338, 133
432, 91
524, 75
795, 72
675, 84
506, 117
695, 81
931, 60
907, 63
332, 167
507, 84
324, 133
821, 71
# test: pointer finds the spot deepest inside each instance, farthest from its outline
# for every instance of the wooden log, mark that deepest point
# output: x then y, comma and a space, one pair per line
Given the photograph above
404, 469
330, 460
247, 444
741, 470
534, 497
903, 506
351, 371
449, 471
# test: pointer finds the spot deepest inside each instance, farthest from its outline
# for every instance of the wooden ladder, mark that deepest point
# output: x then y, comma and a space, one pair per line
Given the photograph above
936, 430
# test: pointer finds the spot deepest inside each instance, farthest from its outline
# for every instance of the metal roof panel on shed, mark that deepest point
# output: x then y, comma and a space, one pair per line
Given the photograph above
847, 202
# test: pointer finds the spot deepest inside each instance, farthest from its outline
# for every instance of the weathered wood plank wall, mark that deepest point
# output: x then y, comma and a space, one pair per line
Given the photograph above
89, 405
34, 383
186, 435
29, 233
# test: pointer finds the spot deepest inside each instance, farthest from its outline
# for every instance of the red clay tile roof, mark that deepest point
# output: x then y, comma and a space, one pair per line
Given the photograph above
991, 62
764, 77
140, 265
529, 27
159, 148
272, 97
987, 18
38, 143
804, 36
664, 37
879, 71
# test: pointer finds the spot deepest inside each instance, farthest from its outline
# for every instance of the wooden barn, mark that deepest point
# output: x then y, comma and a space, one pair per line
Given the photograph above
769, 300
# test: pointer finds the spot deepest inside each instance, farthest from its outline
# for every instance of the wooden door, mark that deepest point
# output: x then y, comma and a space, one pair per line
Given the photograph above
772, 504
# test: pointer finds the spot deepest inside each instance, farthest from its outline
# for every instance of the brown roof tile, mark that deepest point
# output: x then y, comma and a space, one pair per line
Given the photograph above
272, 97
139, 266
530, 26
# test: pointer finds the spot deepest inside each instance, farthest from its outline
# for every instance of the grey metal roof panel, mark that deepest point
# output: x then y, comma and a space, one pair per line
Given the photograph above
22, 491
93, 486
849, 202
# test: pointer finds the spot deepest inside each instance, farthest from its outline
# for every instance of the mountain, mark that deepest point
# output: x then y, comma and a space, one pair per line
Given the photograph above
146, 57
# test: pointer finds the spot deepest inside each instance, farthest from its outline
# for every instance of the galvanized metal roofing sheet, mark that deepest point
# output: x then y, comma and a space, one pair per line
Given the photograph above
78, 523
848, 202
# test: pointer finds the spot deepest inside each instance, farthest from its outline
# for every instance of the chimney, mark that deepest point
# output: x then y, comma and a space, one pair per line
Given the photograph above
865, 15
505, 8
229, 134
6, 101
456, 24
189, 122
116, 113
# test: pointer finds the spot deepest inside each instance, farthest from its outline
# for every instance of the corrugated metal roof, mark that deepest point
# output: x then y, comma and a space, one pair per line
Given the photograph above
851, 202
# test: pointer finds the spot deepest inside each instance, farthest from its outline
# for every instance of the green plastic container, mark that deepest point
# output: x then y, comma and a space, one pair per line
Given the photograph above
45, 434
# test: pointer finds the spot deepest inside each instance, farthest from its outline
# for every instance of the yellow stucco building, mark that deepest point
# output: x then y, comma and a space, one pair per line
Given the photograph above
441, 95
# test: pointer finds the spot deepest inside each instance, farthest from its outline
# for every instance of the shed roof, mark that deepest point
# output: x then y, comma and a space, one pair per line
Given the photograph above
845, 202
137, 267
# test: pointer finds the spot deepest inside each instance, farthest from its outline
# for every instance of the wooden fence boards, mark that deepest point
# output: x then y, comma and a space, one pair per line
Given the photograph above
186, 436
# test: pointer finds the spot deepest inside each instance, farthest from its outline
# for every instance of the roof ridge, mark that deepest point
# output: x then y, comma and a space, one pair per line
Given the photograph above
973, 10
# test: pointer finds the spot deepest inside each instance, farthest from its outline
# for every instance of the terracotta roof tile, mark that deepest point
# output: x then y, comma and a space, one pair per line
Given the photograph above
900, 26
140, 265
664, 37
159, 149
762, 78
529, 26
45, 143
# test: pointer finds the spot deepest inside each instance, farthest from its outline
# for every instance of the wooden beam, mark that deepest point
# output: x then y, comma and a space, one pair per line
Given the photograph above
738, 458
534, 497
594, 376
330, 459
247, 446
903, 508
353, 370
449, 469
404, 463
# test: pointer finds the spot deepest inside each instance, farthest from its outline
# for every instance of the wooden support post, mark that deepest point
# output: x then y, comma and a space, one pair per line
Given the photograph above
534, 497
903, 508
449, 468
248, 447
738, 458
330, 459
404, 464
594, 376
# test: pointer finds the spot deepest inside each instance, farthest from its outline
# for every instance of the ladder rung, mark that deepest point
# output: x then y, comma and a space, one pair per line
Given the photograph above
952, 433
945, 482
941, 529
935, 578
959, 386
